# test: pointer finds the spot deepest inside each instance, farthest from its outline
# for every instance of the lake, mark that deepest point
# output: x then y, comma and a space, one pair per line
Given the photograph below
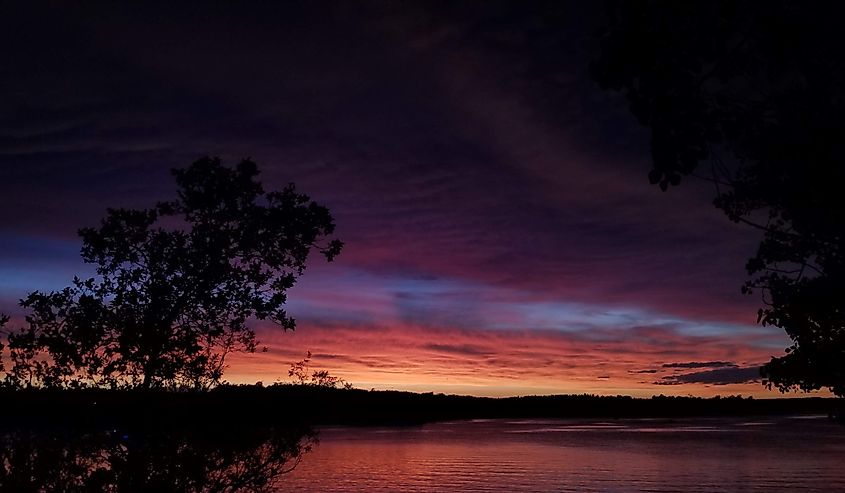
656, 455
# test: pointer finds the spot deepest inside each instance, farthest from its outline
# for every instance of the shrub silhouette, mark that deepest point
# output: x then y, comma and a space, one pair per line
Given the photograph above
302, 374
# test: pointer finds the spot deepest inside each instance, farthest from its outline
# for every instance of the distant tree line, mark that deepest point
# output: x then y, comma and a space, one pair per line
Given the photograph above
319, 405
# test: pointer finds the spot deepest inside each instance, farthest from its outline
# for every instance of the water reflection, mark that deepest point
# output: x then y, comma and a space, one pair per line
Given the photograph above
187, 459
706, 455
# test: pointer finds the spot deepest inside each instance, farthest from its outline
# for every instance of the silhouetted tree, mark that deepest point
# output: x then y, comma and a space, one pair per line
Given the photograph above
749, 95
176, 285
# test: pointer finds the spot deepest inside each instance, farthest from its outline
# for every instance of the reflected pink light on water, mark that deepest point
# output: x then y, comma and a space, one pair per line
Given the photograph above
627, 455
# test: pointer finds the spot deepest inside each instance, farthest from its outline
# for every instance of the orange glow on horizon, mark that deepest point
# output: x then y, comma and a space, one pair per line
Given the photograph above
502, 363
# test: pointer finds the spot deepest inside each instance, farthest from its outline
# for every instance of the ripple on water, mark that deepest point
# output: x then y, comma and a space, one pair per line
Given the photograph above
711, 455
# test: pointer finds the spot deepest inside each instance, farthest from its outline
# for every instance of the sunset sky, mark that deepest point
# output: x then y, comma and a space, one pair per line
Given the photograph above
501, 235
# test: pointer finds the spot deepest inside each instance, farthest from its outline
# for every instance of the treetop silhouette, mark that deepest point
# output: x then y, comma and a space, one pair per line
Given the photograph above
176, 285
749, 97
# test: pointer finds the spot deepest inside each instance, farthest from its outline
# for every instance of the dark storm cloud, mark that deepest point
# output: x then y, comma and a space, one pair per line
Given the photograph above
701, 364
722, 376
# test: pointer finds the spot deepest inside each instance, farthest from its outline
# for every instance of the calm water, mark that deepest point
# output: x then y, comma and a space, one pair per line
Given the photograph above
712, 455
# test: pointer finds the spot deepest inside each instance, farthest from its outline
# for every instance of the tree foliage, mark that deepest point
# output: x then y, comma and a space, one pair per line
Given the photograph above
750, 97
176, 285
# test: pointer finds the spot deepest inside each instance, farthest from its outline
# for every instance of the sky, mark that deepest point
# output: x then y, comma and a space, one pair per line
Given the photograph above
501, 235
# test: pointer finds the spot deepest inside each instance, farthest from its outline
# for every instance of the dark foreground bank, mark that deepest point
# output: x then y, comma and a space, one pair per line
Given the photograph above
248, 438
